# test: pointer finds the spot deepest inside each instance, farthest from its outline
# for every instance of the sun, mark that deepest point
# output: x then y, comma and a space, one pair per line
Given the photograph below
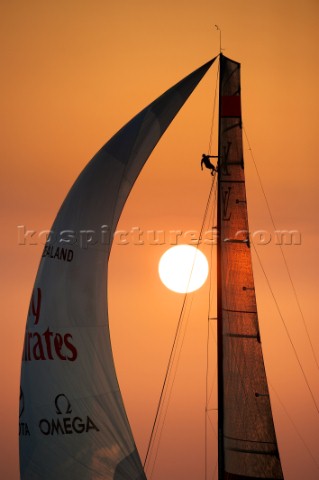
183, 268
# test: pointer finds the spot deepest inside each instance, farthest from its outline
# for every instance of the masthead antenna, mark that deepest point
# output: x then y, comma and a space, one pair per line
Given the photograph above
220, 38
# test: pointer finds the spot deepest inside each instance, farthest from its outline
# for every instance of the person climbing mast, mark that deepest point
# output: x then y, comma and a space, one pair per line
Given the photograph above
207, 163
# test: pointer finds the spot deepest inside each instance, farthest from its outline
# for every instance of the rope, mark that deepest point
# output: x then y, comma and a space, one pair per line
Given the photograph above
207, 392
160, 403
172, 356
283, 256
213, 113
169, 393
287, 332
295, 427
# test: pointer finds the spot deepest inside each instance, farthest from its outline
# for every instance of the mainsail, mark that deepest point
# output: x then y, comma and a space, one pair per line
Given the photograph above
72, 419
247, 441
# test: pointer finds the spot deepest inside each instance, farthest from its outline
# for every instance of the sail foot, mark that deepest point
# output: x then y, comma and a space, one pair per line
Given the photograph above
130, 468
233, 476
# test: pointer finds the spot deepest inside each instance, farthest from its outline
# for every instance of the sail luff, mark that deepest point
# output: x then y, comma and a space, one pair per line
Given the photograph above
248, 447
71, 408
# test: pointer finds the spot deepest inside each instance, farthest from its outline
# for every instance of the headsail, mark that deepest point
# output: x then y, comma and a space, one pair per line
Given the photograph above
72, 419
247, 441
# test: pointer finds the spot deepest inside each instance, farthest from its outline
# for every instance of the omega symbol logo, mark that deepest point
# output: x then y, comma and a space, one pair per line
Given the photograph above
62, 404
65, 421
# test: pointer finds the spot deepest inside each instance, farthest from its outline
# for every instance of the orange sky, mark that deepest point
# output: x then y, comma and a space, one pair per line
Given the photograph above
72, 74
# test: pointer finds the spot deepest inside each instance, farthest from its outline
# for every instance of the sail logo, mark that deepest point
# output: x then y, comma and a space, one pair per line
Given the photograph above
23, 426
224, 159
46, 345
58, 253
225, 197
64, 423
35, 305
230, 156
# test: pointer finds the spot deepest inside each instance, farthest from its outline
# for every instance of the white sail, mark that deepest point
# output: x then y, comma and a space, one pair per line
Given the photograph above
73, 423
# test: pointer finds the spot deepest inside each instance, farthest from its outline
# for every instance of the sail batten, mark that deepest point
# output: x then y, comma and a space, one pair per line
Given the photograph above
247, 441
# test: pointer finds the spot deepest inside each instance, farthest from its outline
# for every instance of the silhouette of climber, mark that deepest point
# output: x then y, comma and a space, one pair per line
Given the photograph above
207, 163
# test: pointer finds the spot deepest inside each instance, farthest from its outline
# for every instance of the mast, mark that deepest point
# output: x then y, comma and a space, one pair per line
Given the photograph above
219, 309
247, 445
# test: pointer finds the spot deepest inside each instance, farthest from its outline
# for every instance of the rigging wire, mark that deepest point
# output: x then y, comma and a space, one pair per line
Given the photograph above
162, 394
160, 428
208, 396
172, 356
212, 223
213, 112
209, 318
283, 255
292, 284
287, 331
173, 351
295, 427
